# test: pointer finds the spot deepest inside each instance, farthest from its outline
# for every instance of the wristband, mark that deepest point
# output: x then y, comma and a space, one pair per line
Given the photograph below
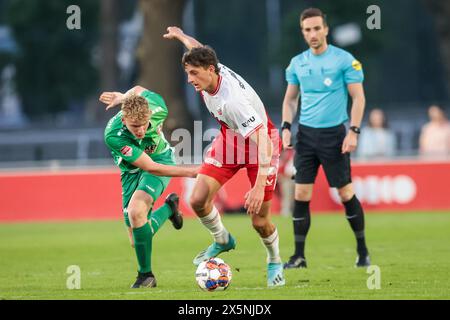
286, 125
355, 129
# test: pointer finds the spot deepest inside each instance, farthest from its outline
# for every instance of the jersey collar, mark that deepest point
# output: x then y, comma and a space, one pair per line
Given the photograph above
219, 82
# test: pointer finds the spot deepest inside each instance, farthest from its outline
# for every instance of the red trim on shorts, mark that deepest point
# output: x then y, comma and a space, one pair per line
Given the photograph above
225, 173
252, 174
222, 174
268, 195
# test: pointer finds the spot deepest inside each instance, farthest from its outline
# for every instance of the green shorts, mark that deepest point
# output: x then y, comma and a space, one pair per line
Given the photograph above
147, 182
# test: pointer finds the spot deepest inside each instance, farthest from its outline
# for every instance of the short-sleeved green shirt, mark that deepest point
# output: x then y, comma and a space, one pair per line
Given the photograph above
126, 148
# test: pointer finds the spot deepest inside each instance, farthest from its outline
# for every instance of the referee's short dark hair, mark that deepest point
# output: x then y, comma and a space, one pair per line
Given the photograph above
201, 57
313, 12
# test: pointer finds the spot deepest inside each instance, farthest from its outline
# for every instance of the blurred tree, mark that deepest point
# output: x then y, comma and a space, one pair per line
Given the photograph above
160, 59
441, 12
109, 72
237, 30
54, 65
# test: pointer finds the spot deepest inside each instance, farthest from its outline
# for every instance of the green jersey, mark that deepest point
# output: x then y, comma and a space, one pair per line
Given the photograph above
126, 148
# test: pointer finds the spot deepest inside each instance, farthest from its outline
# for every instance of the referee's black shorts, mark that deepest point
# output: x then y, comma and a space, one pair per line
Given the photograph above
322, 146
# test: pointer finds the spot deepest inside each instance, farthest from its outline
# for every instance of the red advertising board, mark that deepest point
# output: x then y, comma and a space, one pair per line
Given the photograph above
392, 186
96, 194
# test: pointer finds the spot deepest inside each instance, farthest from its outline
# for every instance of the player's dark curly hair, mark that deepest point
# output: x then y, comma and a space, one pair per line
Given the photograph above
201, 57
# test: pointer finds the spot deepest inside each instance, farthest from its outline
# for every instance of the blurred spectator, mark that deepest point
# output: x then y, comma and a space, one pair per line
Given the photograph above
286, 182
376, 140
435, 135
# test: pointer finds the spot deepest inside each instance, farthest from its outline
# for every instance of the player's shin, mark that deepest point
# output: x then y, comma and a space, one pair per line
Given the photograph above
301, 221
213, 223
159, 217
272, 247
143, 246
355, 217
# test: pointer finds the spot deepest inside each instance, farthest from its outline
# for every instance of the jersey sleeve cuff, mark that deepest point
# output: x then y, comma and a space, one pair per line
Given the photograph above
293, 82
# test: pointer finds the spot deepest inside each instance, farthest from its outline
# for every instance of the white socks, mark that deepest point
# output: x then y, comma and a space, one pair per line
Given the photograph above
272, 246
214, 224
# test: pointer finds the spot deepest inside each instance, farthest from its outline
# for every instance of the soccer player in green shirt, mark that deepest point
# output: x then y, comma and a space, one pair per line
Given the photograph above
134, 136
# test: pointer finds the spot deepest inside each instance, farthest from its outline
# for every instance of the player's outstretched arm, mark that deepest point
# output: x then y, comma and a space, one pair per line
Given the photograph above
112, 99
178, 34
145, 163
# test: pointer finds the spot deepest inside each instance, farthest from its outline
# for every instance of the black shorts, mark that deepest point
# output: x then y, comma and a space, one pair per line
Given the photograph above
322, 146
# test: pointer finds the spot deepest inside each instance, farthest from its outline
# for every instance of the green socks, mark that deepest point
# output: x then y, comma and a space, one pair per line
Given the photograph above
160, 216
143, 237
143, 246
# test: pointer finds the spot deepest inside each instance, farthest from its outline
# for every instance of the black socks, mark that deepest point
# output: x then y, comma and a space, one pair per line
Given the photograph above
355, 216
302, 221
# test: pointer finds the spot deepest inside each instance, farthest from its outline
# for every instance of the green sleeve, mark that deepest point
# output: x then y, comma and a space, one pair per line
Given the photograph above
124, 148
157, 105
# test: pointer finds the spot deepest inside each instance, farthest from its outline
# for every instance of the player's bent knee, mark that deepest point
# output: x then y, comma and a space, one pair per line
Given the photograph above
346, 193
261, 225
261, 229
137, 217
303, 195
198, 203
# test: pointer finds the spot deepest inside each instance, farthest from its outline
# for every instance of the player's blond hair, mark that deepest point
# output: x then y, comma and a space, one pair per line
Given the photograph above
136, 108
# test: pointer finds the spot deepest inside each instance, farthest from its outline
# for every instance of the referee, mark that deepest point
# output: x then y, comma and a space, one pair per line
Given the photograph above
324, 76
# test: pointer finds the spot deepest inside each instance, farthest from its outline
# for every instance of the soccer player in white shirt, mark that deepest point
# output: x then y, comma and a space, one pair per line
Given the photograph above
248, 139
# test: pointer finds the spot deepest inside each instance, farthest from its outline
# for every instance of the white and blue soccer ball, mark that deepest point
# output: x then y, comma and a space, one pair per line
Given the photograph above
213, 275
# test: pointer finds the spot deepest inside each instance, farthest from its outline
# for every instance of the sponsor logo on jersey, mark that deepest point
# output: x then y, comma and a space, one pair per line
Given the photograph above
219, 111
213, 162
127, 151
328, 82
357, 65
248, 122
150, 149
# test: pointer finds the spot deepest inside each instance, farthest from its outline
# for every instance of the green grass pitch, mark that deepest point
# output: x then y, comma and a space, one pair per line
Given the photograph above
411, 249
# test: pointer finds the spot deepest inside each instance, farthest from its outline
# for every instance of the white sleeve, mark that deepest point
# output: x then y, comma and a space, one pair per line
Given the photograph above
244, 117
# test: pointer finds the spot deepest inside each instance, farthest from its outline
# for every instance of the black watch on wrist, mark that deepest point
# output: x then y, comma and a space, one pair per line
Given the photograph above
285, 125
355, 129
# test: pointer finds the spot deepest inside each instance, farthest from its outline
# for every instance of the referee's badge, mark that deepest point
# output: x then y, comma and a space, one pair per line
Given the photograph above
328, 82
357, 65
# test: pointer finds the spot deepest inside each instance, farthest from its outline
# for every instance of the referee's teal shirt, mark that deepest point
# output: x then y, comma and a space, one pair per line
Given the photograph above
323, 81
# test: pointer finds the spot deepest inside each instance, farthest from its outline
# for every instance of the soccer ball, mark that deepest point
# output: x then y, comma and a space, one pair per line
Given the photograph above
213, 275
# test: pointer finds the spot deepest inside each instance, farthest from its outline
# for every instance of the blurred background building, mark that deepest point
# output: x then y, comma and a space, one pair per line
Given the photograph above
51, 77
